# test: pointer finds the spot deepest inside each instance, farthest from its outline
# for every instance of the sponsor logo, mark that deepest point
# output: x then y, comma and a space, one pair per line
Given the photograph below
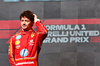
31, 42
18, 37
17, 42
32, 35
17, 47
24, 52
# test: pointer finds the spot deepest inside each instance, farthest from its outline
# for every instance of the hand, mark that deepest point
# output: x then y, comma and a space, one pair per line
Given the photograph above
35, 18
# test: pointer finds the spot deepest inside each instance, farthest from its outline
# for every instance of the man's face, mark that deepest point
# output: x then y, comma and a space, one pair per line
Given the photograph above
26, 24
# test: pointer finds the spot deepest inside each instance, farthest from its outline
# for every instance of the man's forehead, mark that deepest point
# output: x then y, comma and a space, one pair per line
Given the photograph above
25, 18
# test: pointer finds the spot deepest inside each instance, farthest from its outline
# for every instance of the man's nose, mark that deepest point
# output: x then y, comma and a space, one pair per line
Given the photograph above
24, 22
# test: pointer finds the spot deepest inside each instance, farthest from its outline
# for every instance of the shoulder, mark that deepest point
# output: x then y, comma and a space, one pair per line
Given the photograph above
15, 35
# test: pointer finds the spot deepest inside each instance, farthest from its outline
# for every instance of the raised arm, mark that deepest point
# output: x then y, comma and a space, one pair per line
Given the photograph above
42, 31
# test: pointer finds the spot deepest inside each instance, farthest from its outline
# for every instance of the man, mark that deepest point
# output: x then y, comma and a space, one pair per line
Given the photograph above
24, 46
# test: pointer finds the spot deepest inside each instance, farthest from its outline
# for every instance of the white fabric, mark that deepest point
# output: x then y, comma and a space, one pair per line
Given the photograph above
25, 63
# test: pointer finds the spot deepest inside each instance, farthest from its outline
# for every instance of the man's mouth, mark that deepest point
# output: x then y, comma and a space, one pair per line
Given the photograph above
23, 25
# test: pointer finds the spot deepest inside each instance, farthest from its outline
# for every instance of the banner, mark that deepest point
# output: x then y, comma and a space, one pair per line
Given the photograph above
72, 31
59, 30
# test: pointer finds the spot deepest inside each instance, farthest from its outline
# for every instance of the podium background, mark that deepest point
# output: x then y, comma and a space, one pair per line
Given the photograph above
75, 54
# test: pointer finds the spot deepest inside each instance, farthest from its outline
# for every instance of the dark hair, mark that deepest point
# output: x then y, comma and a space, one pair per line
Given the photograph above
28, 14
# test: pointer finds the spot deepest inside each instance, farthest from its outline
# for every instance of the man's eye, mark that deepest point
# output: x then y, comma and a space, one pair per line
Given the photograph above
26, 20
